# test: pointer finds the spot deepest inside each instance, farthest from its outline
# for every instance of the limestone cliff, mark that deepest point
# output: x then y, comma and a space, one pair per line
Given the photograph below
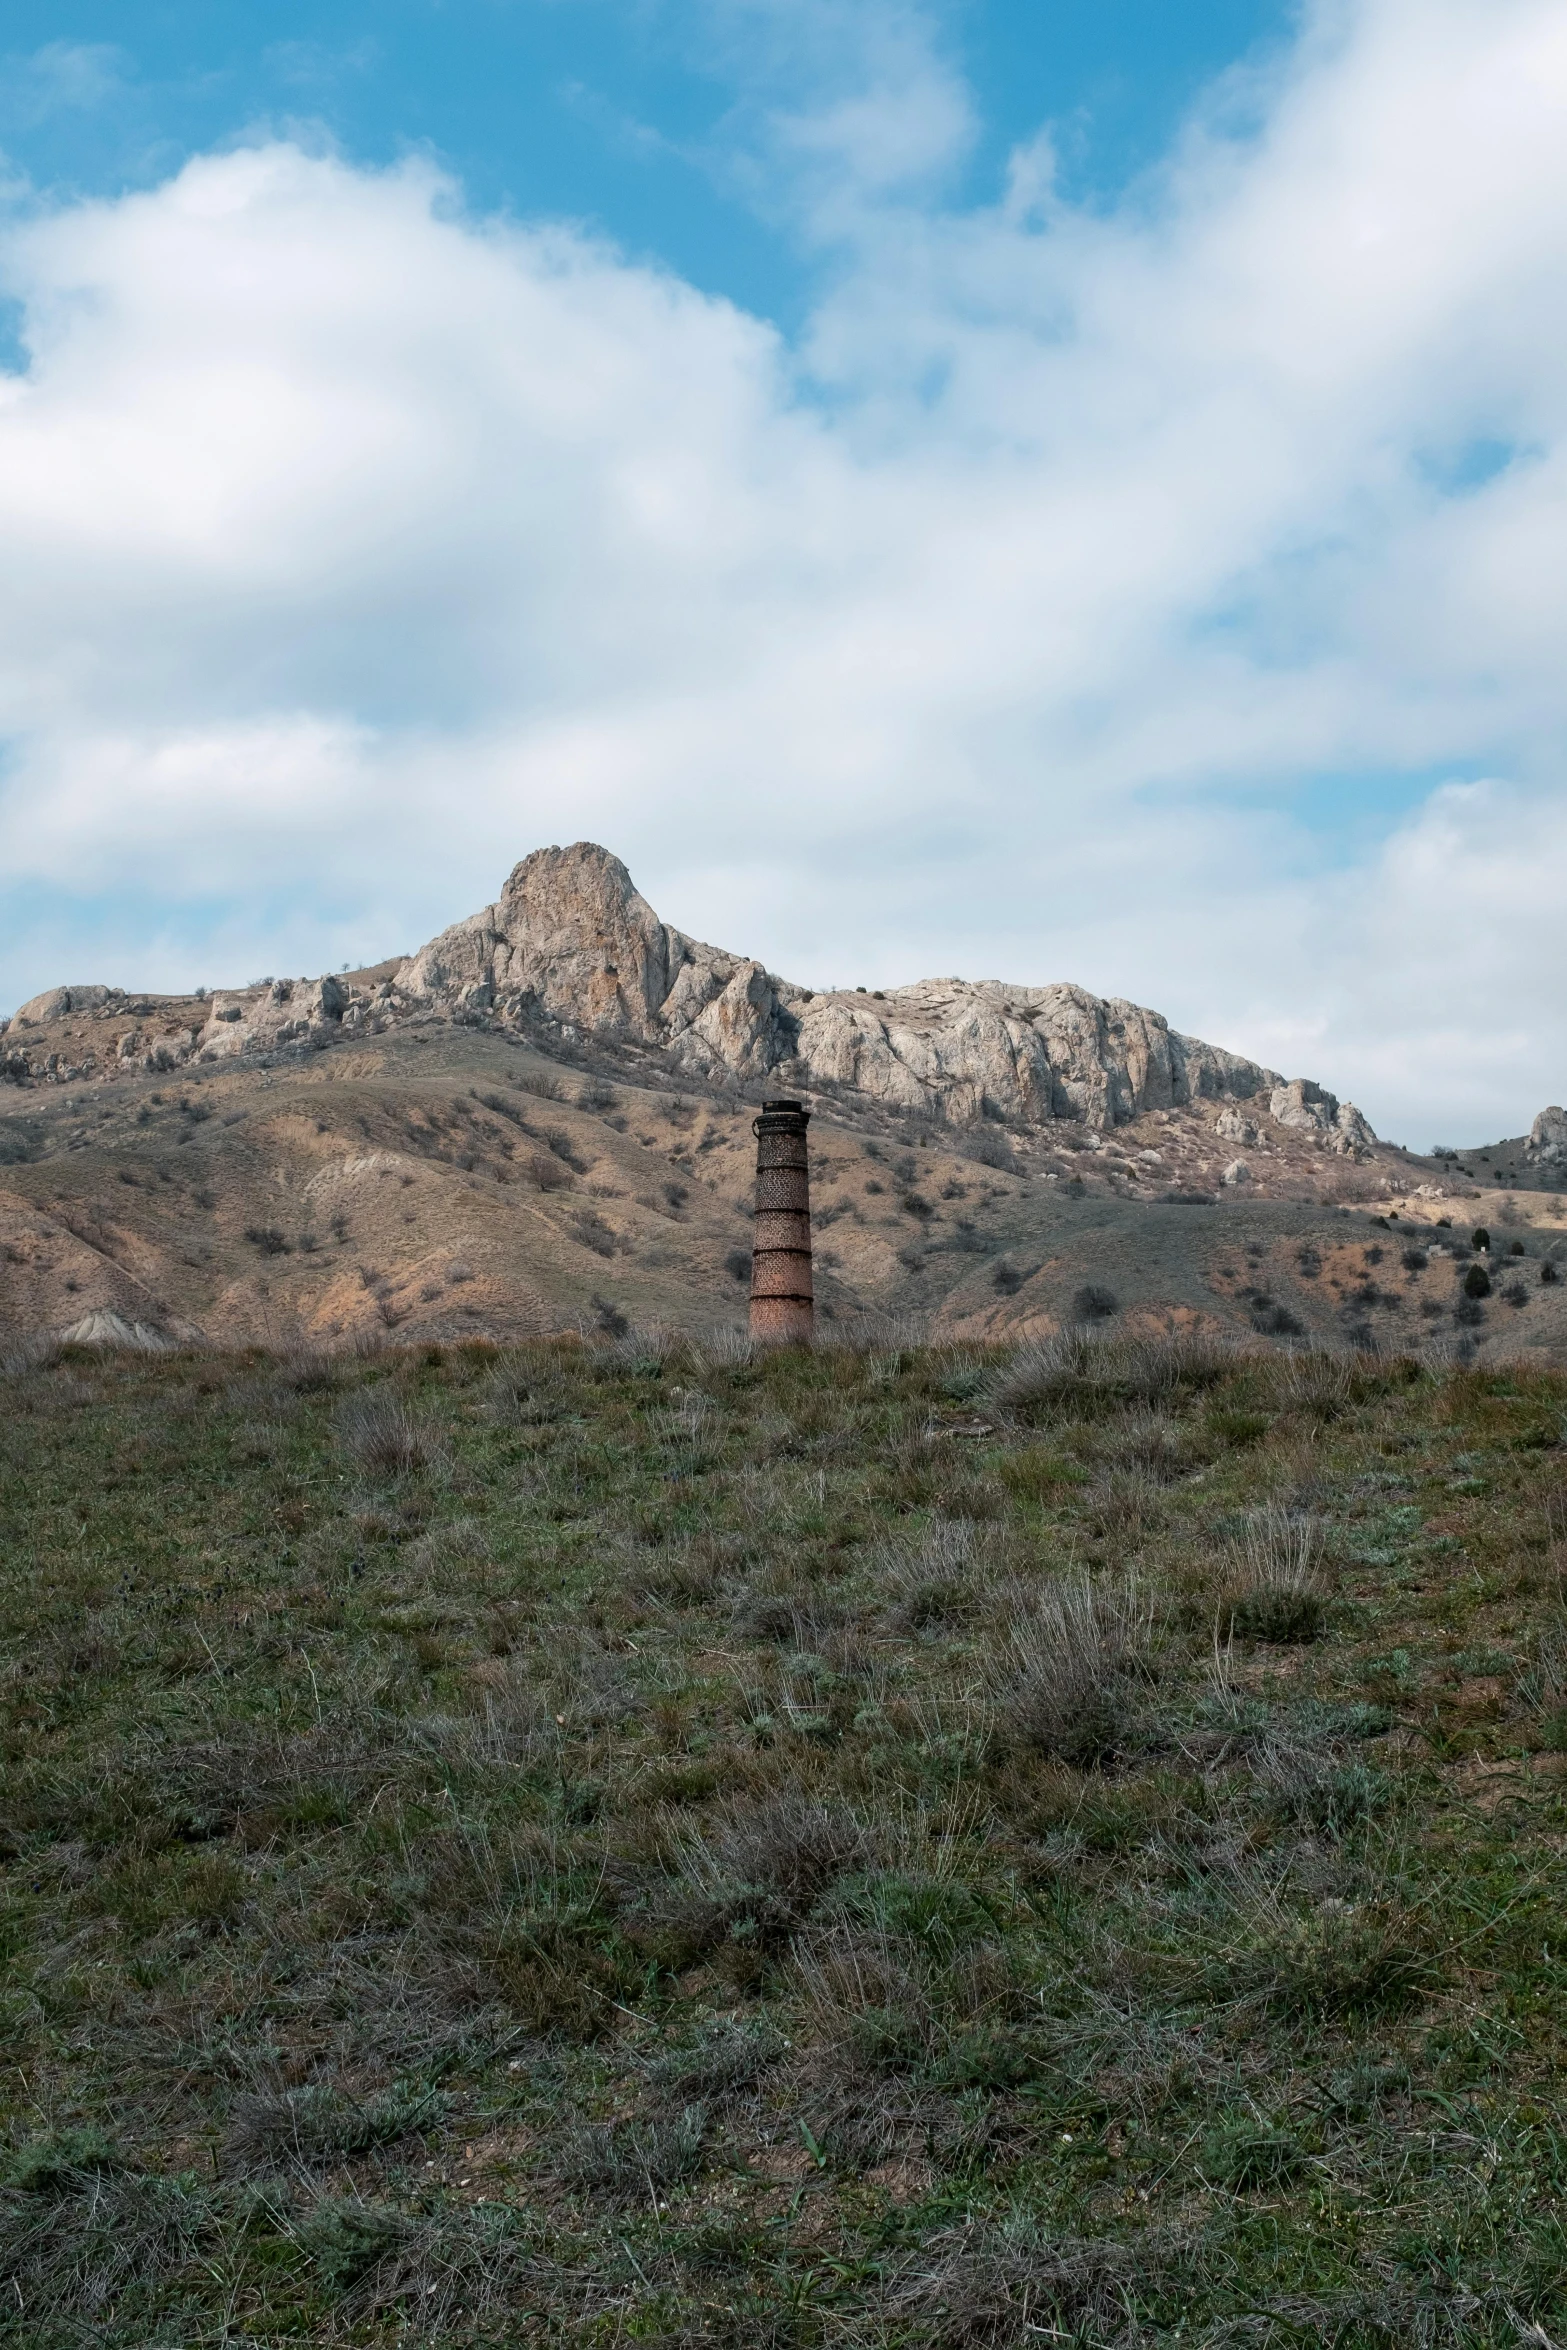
571, 937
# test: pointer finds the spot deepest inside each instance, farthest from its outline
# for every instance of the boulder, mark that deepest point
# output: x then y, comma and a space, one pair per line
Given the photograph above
56, 1002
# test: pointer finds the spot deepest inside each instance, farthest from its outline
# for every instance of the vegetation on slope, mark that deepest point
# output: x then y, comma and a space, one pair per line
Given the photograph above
928, 1847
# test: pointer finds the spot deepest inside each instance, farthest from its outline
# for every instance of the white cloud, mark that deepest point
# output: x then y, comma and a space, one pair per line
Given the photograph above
354, 546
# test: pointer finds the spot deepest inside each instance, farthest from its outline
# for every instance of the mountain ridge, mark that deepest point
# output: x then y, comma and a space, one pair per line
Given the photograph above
571, 942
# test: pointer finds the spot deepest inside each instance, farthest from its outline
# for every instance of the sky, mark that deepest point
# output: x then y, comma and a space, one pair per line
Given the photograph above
1040, 489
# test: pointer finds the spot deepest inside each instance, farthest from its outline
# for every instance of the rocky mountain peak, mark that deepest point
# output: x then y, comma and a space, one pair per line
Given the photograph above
572, 939
571, 944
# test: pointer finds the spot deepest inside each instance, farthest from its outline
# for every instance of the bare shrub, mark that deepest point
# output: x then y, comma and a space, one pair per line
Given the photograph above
384, 1435
865, 2001
1073, 1649
740, 1888
987, 1146
76, 2255
38, 1353
543, 1084
1315, 1383
588, 1227
546, 1172
1275, 1589
270, 1241
725, 1349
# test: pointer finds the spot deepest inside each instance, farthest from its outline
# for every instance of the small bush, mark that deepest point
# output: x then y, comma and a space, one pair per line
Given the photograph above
1081, 1374
990, 1148
737, 1264
1094, 1303
1477, 1282
1007, 1279
546, 1173
268, 1239
588, 1227
60, 2159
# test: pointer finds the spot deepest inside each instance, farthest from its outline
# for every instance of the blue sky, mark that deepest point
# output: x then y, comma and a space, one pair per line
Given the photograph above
618, 113
1099, 467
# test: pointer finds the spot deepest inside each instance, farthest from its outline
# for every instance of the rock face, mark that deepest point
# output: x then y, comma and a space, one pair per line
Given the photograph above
1302, 1104
1547, 1141
284, 1011
570, 937
571, 942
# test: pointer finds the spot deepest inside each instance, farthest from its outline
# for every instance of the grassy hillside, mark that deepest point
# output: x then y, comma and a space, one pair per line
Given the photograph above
626, 1843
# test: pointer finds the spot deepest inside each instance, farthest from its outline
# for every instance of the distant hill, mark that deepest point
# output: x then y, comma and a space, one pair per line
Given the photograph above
542, 1118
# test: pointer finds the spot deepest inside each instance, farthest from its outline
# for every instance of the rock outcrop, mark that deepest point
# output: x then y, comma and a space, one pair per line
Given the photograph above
571, 943
1547, 1143
571, 938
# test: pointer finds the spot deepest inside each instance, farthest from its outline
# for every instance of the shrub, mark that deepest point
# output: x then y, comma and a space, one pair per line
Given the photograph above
737, 1264
1094, 1303
268, 1239
548, 1173
988, 1148
1476, 1282
633, 2159
589, 1228
1007, 1279
1549, 1273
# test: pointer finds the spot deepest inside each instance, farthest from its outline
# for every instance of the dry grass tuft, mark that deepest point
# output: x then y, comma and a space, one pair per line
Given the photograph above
384, 1435
1075, 1649
1276, 1588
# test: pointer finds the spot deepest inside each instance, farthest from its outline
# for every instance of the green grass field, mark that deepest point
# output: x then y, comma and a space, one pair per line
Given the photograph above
636, 1844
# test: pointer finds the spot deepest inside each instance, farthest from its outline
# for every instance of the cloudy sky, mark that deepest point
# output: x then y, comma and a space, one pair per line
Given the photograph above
1037, 488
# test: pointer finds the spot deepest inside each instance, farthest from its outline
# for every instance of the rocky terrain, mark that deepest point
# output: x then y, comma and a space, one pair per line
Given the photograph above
543, 1117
